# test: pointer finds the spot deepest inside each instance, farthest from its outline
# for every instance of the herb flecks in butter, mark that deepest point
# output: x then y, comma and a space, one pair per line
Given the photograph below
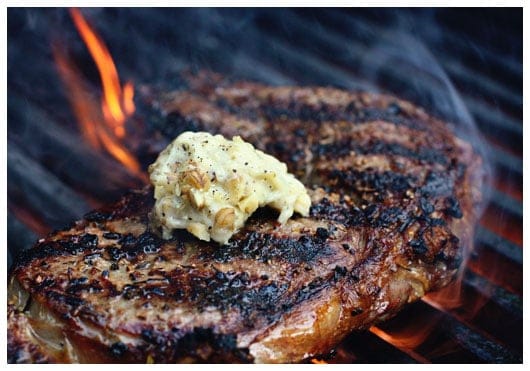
210, 186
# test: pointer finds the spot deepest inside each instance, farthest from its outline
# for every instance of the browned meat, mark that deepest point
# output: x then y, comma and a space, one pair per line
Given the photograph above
394, 200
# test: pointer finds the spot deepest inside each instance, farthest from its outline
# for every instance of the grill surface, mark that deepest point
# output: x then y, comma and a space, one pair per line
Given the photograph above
460, 64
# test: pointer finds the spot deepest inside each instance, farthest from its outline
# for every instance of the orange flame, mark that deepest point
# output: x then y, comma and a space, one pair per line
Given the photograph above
316, 361
113, 97
102, 125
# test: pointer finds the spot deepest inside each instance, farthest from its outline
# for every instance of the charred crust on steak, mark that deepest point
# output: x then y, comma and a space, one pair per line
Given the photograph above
393, 208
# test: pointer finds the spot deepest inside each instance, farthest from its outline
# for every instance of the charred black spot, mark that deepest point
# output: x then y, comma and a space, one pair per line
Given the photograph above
148, 336
265, 247
76, 285
406, 224
355, 276
226, 106
89, 258
356, 311
371, 212
426, 206
322, 233
178, 294
154, 337
89, 240
97, 216
78, 281
437, 184
264, 298
114, 253
325, 209
72, 302
47, 282
394, 108
452, 207
118, 349
111, 235
135, 291
231, 290
70, 246
370, 181
373, 215
418, 246
227, 342
130, 292
132, 247
345, 147
436, 222
311, 289
390, 216
339, 272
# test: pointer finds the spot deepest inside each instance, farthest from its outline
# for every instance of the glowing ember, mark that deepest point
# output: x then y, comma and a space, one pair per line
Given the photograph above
102, 125
318, 361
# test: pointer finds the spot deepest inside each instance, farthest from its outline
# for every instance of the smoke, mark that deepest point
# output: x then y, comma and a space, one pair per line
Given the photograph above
400, 60
414, 70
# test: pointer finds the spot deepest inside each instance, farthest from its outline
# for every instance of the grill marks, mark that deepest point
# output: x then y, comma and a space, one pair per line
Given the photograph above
204, 288
345, 147
266, 246
283, 131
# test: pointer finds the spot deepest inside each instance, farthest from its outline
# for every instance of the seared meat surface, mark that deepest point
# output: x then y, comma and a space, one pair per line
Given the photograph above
394, 199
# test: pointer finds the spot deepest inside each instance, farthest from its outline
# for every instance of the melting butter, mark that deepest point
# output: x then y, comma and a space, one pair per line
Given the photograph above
210, 186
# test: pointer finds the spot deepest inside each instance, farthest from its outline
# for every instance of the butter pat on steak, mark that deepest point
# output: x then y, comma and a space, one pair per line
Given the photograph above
210, 186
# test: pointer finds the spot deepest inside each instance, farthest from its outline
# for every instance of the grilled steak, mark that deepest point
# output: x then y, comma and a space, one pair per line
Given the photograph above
394, 199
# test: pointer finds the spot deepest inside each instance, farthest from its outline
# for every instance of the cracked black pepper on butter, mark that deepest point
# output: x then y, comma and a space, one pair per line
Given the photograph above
210, 186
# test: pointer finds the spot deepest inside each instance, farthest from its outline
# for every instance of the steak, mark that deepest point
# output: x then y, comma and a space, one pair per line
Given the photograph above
395, 196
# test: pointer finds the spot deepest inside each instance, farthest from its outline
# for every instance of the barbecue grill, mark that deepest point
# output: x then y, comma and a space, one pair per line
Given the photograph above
462, 65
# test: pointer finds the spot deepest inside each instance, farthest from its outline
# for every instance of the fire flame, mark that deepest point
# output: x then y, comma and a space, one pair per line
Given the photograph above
102, 125
316, 361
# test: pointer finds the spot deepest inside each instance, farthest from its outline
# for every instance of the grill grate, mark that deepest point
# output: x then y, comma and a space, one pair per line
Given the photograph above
349, 48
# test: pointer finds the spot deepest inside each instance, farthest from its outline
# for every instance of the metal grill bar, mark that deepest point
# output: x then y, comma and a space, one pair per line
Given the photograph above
51, 140
446, 43
506, 160
507, 203
484, 348
510, 302
497, 243
42, 191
